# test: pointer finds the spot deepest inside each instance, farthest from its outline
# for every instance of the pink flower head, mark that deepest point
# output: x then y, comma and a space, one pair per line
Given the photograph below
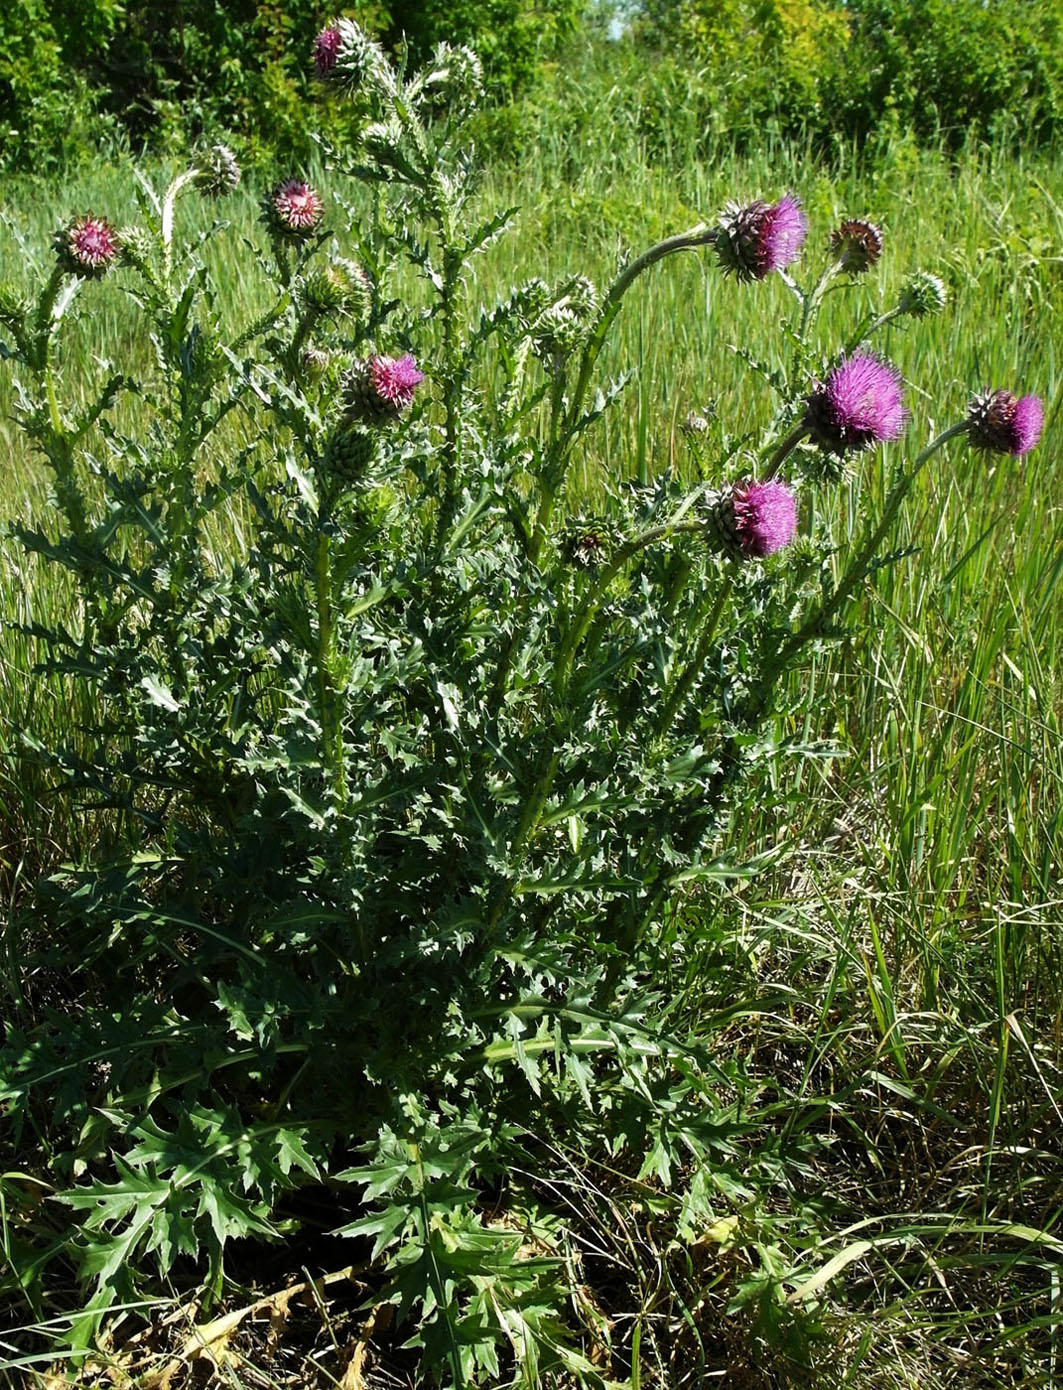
297, 208
860, 404
394, 380
88, 247
754, 240
765, 517
750, 520
1001, 424
326, 50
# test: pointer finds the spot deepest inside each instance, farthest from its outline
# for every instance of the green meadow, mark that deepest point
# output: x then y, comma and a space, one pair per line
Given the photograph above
892, 977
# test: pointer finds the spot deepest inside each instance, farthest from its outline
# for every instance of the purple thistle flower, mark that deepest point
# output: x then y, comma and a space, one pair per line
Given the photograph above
296, 207
999, 423
326, 50
751, 520
754, 240
860, 404
395, 380
88, 246
377, 389
765, 517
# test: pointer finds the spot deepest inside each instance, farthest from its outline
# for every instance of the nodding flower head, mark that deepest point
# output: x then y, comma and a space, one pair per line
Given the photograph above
295, 209
754, 240
751, 520
856, 245
326, 49
217, 171
380, 388
344, 54
87, 247
1000, 423
859, 405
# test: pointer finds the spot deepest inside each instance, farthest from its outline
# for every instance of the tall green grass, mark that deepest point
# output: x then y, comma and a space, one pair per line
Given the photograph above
899, 969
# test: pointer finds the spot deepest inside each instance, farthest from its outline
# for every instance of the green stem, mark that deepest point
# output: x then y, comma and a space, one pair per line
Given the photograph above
860, 566
328, 703
700, 235
785, 449
814, 298
873, 327
577, 631
686, 680
169, 199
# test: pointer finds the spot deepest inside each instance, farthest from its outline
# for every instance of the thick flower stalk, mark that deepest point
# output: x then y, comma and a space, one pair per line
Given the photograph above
752, 520
998, 422
754, 240
87, 247
859, 405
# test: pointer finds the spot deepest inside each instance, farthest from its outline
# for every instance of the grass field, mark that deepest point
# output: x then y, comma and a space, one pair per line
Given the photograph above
901, 963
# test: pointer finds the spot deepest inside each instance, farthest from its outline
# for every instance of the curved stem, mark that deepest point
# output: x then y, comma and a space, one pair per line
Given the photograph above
785, 449
859, 567
170, 197
578, 630
873, 327
701, 235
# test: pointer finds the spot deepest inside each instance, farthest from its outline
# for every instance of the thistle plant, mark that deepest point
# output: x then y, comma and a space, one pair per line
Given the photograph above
415, 780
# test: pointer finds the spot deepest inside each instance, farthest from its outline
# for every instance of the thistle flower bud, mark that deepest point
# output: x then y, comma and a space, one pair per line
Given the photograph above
217, 172
455, 73
586, 545
294, 209
137, 246
345, 54
1000, 423
556, 332
860, 404
556, 329
856, 245
341, 287
314, 362
379, 389
922, 294
87, 247
347, 455
754, 240
326, 49
13, 306
750, 520
695, 424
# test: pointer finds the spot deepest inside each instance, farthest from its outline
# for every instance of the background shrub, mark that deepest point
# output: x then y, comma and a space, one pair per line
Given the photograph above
948, 67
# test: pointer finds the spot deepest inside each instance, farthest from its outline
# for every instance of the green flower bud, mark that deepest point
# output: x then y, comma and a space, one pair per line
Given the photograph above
922, 294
